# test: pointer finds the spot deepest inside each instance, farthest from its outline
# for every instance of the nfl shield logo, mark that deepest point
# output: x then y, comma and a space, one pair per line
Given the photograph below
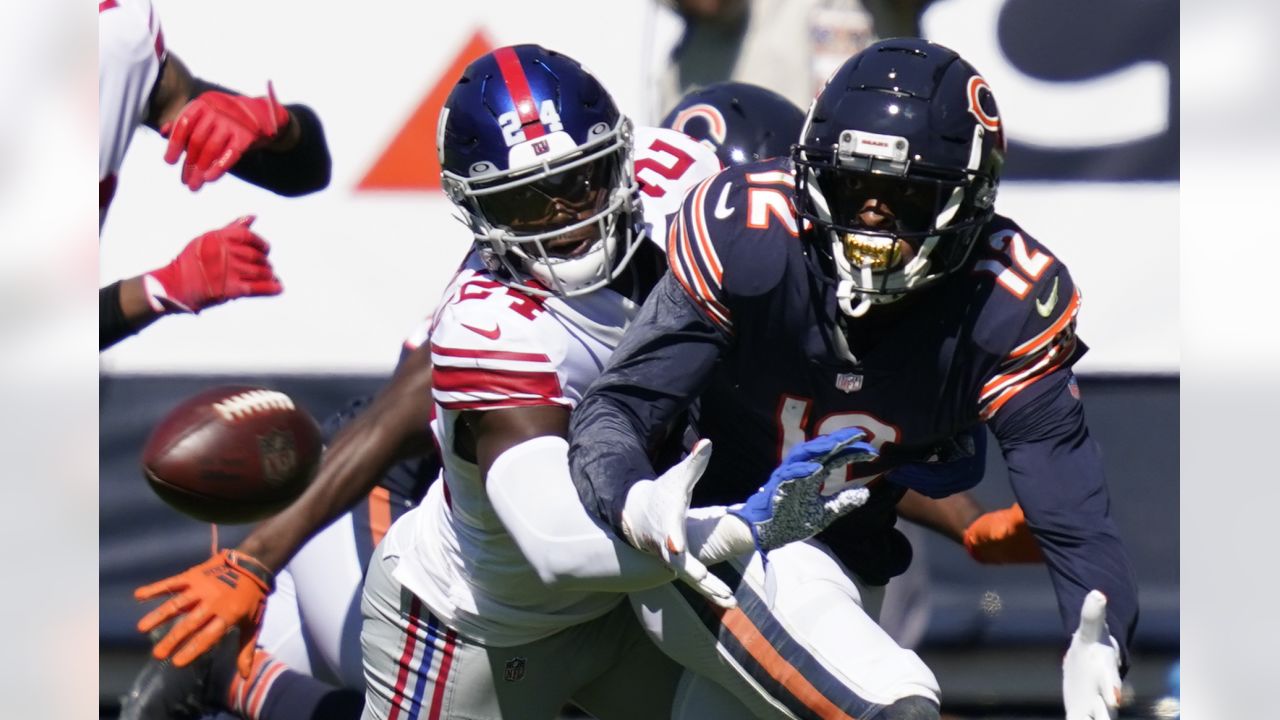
848, 382
514, 670
279, 456
541, 147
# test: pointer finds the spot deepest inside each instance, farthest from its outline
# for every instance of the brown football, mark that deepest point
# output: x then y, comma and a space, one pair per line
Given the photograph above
233, 454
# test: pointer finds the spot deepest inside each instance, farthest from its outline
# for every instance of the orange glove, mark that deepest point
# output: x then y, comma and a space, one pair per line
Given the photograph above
217, 128
1001, 537
228, 590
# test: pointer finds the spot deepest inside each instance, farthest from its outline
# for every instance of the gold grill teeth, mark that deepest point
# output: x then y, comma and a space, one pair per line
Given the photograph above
869, 251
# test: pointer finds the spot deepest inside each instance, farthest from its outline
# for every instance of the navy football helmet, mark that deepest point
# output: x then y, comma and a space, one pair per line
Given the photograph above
537, 156
897, 169
741, 122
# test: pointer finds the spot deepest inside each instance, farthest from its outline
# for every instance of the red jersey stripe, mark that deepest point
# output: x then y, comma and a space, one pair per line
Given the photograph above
504, 382
488, 354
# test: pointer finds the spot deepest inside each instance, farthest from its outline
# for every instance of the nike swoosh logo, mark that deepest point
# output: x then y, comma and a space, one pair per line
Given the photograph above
722, 208
1046, 307
493, 334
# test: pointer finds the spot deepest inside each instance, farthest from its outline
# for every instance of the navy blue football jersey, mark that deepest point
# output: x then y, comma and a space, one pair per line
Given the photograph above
747, 325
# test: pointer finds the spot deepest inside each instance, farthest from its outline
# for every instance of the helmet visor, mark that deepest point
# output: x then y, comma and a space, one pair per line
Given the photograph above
551, 202
902, 206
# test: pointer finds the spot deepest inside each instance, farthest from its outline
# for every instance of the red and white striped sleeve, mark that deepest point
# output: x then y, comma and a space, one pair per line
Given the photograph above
487, 357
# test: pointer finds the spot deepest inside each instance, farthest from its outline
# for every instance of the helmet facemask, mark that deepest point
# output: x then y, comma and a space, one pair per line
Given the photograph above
888, 224
565, 221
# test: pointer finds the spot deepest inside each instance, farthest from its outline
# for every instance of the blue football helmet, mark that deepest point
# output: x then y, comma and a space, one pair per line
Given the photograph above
897, 169
537, 156
741, 122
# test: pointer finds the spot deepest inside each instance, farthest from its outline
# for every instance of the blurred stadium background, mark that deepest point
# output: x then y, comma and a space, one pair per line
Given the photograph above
1089, 92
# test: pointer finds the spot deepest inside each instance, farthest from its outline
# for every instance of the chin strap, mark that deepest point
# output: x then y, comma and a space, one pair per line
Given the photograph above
846, 293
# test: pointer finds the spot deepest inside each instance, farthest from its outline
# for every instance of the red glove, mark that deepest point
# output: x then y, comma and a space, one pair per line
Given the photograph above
1001, 537
218, 266
216, 128
228, 590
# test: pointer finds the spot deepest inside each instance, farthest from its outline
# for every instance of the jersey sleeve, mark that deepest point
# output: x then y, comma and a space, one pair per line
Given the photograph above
1045, 317
130, 53
664, 361
1055, 468
487, 355
728, 240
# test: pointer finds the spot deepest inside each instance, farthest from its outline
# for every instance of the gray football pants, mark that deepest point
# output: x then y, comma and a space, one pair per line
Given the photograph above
417, 668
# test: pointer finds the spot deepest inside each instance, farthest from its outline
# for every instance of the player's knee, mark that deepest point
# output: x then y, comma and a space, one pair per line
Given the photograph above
913, 707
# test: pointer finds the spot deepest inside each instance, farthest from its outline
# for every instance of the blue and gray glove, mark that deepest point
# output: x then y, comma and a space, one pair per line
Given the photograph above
791, 506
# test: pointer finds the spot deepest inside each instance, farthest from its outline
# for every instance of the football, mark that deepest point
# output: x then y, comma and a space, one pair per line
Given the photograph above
233, 454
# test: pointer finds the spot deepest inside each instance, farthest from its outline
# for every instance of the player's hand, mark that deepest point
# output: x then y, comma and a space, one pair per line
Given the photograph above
653, 519
218, 266
1001, 537
216, 128
791, 506
1091, 669
226, 591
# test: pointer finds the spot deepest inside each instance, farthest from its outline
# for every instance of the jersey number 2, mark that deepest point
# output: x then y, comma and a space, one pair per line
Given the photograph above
680, 163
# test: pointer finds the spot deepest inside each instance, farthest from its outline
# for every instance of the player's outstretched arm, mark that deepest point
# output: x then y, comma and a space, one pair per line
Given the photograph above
276, 147
1056, 471
394, 427
220, 265
570, 549
661, 365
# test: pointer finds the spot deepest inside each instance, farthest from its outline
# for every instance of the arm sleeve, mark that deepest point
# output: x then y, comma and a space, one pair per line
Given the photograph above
662, 364
112, 324
533, 495
304, 169
1055, 468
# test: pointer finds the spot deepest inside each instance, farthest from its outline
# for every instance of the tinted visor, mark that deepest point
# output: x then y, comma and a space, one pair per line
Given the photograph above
554, 201
912, 204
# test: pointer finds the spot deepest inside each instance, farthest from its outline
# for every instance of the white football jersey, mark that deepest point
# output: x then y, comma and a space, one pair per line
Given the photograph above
130, 53
495, 347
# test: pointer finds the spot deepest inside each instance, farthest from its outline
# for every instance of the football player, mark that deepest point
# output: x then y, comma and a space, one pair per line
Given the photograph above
457, 619
865, 280
213, 131
745, 123
741, 122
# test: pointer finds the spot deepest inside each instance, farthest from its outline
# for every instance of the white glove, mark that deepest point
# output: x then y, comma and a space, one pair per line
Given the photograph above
1091, 669
653, 517
714, 535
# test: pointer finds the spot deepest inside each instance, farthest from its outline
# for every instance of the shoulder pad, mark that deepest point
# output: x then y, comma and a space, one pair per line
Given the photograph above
668, 164
494, 347
1028, 319
732, 235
